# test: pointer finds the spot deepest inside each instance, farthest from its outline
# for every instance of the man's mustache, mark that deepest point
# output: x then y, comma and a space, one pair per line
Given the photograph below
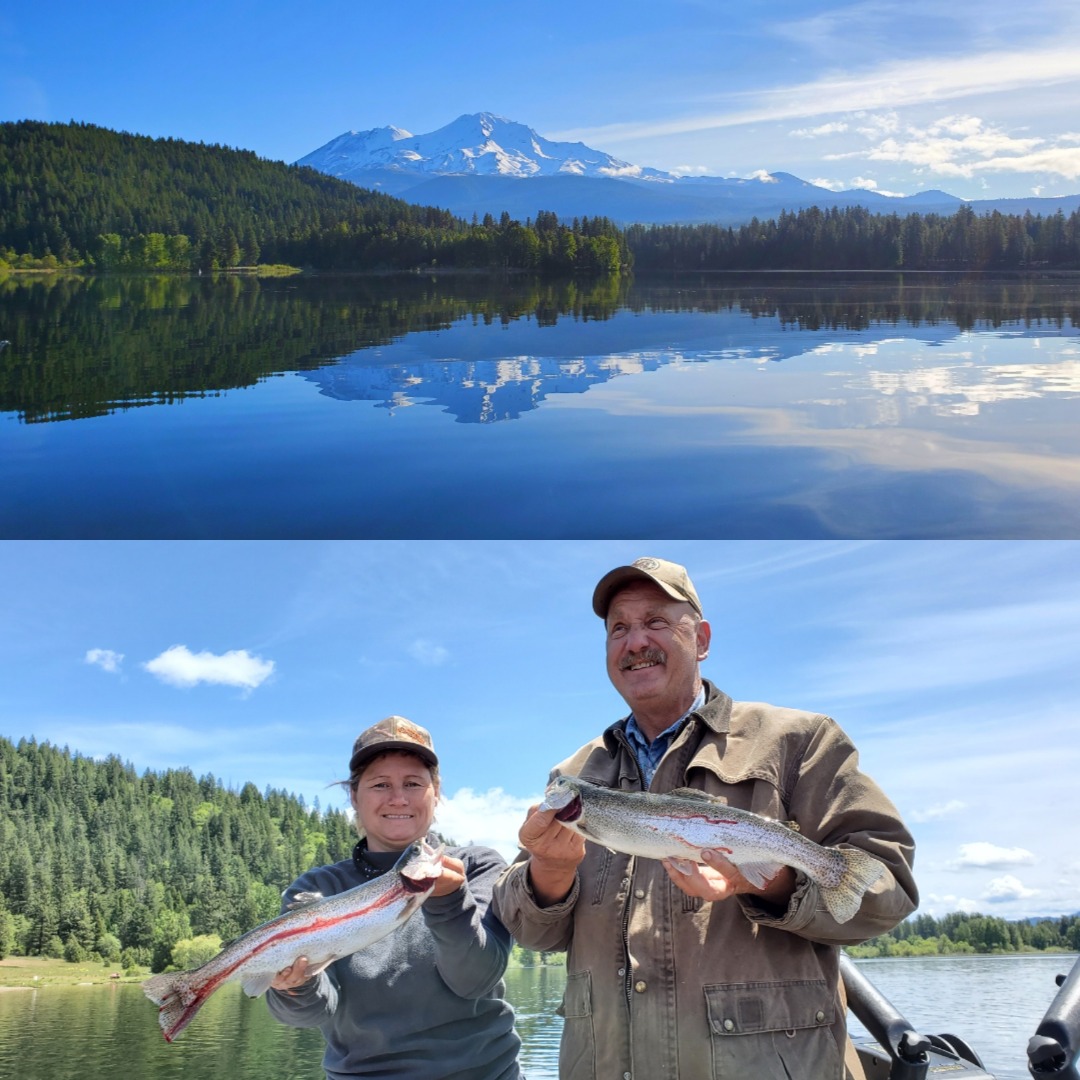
652, 656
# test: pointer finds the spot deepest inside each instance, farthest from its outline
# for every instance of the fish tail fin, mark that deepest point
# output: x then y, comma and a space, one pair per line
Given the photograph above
178, 998
859, 872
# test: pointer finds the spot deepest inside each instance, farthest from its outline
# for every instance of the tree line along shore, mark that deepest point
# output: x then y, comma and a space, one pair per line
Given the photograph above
83, 197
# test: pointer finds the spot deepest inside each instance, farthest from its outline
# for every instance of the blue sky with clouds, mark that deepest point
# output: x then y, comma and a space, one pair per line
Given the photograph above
976, 98
953, 665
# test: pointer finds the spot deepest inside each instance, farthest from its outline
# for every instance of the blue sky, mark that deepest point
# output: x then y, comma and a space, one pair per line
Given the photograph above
953, 666
976, 98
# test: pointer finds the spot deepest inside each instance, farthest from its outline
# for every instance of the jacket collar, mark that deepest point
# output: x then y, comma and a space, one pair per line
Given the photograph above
715, 714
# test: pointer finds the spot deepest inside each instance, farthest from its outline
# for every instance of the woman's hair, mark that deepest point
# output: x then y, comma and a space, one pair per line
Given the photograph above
352, 783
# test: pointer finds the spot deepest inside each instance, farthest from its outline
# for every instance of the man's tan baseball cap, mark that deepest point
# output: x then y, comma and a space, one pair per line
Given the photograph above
393, 733
669, 576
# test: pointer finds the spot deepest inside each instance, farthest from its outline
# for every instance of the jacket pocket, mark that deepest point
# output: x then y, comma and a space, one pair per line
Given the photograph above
773, 1031
577, 1051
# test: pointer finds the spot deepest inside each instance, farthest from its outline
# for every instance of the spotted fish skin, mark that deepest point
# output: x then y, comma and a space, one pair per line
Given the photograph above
685, 822
322, 929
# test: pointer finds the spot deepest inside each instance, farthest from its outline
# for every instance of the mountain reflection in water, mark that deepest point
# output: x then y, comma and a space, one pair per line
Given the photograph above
84, 347
769, 405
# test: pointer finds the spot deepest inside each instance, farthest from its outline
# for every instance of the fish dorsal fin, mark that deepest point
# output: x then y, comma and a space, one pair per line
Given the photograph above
701, 796
301, 899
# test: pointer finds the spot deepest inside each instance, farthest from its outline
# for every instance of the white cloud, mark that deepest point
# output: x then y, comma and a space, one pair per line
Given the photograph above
858, 183
834, 127
1006, 888
990, 855
490, 818
830, 185
965, 146
428, 653
938, 904
179, 666
105, 659
932, 813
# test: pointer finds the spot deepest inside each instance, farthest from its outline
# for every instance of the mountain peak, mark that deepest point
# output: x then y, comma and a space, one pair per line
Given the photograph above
477, 144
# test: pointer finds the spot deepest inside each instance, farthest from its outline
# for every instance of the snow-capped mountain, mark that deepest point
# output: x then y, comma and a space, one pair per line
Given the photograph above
483, 163
480, 144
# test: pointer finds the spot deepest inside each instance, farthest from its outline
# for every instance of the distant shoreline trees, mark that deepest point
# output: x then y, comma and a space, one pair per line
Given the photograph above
964, 932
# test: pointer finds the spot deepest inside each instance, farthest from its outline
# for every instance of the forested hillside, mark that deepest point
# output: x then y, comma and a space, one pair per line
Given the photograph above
79, 194
95, 857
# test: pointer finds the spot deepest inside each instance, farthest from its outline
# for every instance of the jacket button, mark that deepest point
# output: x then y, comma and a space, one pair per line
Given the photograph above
639, 893
639, 986
819, 1016
622, 972
729, 1025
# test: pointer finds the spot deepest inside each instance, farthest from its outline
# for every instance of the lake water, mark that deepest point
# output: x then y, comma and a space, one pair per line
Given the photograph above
100, 1032
764, 406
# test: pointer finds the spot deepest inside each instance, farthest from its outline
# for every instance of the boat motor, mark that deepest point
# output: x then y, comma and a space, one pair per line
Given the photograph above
1054, 1049
896, 1051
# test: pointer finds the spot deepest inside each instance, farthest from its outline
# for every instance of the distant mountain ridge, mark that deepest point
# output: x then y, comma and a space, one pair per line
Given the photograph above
482, 163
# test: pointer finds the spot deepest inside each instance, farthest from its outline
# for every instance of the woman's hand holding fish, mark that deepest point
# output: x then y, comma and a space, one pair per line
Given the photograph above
555, 853
719, 879
452, 877
295, 975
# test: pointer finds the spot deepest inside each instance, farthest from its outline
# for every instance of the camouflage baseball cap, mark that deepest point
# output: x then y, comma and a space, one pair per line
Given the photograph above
669, 576
393, 733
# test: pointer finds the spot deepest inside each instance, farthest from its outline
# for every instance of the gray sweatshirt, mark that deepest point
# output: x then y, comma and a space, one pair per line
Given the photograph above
424, 1003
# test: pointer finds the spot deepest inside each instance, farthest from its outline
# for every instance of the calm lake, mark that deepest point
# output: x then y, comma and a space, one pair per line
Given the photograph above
762, 406
98, 1033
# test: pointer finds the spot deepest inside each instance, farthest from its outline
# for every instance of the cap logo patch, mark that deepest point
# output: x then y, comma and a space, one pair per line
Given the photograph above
647, 564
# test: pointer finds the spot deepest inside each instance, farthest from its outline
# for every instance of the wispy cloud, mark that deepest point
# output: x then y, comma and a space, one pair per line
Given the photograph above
179, 666
105, 659
894, 84
938, 650
428, 653
934, 813
834, 127
986, 855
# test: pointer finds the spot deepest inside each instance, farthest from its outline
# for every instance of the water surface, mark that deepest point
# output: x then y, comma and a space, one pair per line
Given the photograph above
98, 1032
767, 406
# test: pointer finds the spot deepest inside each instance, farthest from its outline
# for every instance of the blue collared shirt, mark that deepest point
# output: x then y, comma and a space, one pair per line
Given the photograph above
648, 754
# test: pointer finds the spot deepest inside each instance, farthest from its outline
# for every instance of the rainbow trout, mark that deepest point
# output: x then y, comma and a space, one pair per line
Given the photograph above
322, 929
681, 824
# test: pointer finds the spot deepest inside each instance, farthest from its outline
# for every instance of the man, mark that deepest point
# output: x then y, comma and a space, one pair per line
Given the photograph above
676, 969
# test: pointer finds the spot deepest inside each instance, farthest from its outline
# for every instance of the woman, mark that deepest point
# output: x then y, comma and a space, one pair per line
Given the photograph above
426, 1001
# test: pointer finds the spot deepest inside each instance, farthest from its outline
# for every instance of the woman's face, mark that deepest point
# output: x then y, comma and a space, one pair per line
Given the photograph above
394, 800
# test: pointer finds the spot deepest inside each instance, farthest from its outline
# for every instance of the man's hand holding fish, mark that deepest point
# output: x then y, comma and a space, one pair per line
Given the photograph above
715, 879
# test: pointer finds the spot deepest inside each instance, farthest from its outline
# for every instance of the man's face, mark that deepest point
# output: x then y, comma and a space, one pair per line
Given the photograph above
654, 645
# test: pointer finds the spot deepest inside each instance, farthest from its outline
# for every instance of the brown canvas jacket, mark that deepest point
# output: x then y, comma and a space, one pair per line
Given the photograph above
660, 984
